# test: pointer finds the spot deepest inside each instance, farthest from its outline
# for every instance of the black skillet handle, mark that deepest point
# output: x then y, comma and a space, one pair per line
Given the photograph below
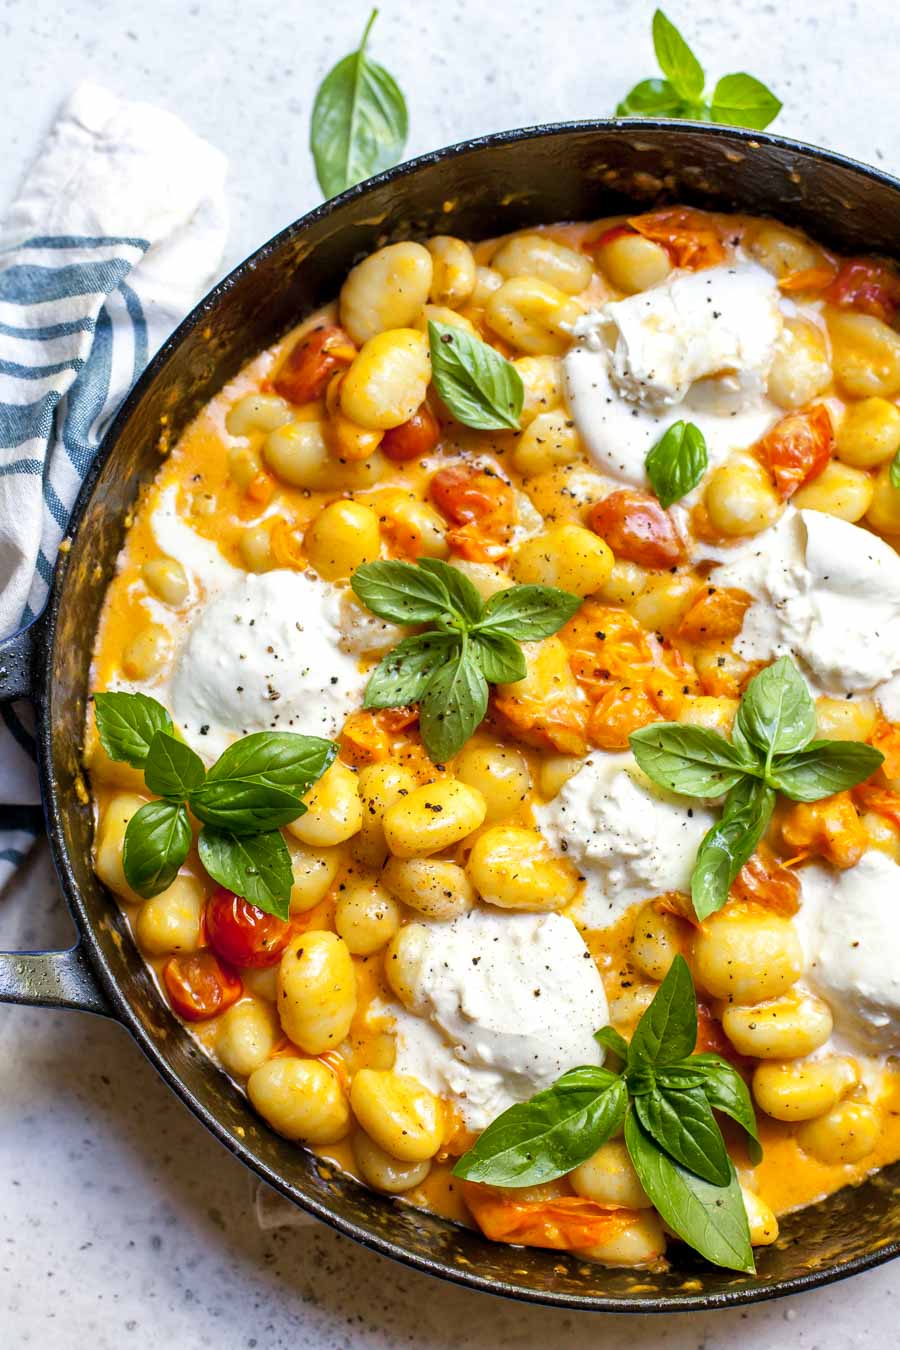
55, 979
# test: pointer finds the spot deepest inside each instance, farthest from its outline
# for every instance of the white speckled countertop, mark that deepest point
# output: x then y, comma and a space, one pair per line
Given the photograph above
122, 1223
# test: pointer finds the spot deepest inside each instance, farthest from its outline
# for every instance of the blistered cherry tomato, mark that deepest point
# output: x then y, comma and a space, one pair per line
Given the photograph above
871, 287
199, 986
414, 438
312, 361
242, 934
637, 529
798, 448
481, 505
690, 237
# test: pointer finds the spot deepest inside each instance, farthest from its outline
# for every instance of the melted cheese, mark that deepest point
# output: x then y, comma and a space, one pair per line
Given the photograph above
629, 838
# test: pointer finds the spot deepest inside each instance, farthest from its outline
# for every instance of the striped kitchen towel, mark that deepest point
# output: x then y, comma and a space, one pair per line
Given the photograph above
119, 228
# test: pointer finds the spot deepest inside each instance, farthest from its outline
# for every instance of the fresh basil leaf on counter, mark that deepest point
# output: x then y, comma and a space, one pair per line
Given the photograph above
652, 98
401, 592
453, 705
463, 595
127, 723
545, 1137
824, 767
727, 1092
677, 462
244, 808
172, 769
777, 713
479, 386
682, 1123
275, 759
402, 676
359, 121
742, 101
157, 840
711, 1219
667, 1030
500, 658
729, 843
693, 761
676, 60
528, 613
258, 867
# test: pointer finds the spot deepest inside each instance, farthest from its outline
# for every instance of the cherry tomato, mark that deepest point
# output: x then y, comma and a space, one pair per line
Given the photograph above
481, 505
871, 287
716, 614
412, 439
798, 448
199, 986
637, 529
242, 934
689, 237
311, 362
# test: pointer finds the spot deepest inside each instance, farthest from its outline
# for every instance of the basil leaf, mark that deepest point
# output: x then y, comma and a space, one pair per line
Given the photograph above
683, 1124
171, 768
501, 659
742, 101
546, 1137
401, 592
727, 846
676, 60
652, 97
726, 1091
711, 1219
244, 808
667, 1030
402, 676
157, 840
275, 759
359, 121
686, 1074
677, 462
479, 386
691, 760
895, 471
463, 595
611, 1040
258, 867
824, 767
777, 713
527, 613
127, 723
453, 705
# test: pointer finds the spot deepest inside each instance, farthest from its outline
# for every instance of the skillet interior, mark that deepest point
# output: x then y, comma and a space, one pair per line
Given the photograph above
484, 188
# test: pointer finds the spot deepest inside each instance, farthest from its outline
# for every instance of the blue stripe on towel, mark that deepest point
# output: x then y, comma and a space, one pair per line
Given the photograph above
28, 284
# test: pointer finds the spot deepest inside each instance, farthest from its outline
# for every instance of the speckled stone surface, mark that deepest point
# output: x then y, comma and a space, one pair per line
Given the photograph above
122, 1224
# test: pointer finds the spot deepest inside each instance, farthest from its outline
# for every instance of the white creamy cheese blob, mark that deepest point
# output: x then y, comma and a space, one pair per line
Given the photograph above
826, 592
629, 838
207, 569
502, 1005
265, 655
698, 347
849, 924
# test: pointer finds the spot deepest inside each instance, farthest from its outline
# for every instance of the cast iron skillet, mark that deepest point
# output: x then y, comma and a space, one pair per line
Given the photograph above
481, 188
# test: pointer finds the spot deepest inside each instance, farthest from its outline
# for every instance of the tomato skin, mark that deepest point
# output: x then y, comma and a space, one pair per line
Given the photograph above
311, 362
689, 237
482, 507
637, 529
868, 286
798, 448
412, 439
199, 987
560, 1222
241, 934
716, 614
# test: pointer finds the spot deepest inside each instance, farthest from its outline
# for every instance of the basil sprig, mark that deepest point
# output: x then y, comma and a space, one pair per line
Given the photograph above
895, 471
359, 121
677, 462
771, 750
665, 1097
738, 100
254, 787
471, 644
480, 387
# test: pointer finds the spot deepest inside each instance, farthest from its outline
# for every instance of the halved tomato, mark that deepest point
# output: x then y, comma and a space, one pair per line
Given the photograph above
242, 934
199, 987
798, 448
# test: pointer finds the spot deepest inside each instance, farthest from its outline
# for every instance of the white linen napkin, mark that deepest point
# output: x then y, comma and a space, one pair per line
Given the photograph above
118, 230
